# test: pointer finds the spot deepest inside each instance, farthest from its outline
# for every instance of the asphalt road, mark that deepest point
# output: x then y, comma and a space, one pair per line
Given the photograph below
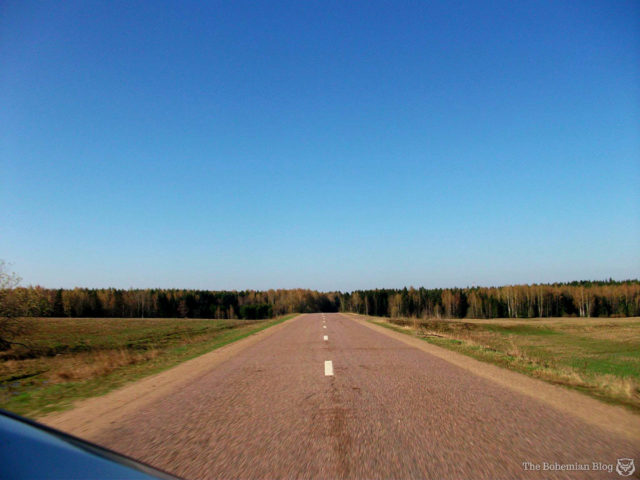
388, 411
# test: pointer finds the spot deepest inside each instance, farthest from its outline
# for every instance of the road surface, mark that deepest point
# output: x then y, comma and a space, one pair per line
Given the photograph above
327, 397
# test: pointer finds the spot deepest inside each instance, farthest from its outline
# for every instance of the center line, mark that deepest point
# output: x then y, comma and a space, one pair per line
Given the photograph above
326, 337
328, 368
324, 326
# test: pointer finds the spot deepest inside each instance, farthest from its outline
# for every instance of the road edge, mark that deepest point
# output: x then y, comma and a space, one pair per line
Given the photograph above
612, 418
90, 416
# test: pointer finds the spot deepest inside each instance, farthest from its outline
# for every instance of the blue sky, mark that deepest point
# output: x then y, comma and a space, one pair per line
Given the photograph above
329, 145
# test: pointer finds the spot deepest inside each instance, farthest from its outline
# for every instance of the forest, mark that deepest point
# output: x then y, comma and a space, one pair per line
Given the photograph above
576, 299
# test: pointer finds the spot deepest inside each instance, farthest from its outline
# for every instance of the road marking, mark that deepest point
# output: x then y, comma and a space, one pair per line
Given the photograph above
328, 368
326, 337
324, 326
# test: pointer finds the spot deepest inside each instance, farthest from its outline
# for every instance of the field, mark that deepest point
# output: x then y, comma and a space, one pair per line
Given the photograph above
599, 356
65, 359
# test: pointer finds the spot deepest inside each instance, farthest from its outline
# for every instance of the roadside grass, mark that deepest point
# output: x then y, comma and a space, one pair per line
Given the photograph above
74, 358
600, 357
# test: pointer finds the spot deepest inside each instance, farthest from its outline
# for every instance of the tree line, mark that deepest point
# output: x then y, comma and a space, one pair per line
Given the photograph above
172, 303
580, 299
576, 299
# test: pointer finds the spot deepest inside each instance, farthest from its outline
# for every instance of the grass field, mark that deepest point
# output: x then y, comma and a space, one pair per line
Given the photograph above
599, 356
73, 358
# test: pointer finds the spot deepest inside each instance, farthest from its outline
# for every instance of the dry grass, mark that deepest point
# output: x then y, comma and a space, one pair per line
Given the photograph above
90, 365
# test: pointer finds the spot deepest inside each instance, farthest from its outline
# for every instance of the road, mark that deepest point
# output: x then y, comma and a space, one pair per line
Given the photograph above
379, 409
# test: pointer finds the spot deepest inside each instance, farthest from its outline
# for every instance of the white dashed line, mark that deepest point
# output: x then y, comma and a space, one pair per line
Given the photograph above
324, 326
326, 337
328, 368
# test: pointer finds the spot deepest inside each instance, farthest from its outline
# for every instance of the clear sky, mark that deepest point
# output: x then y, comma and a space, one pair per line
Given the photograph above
328, 145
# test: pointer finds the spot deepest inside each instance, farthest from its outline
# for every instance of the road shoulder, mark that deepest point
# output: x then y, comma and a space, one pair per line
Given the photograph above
608, 417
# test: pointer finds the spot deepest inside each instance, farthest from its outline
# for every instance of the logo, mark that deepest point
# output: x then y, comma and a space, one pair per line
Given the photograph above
625, 467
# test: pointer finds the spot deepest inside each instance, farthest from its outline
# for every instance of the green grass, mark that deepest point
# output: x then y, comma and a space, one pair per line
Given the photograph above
600, 357
72, 359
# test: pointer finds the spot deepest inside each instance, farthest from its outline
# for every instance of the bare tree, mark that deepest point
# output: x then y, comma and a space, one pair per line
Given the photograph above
15, 303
